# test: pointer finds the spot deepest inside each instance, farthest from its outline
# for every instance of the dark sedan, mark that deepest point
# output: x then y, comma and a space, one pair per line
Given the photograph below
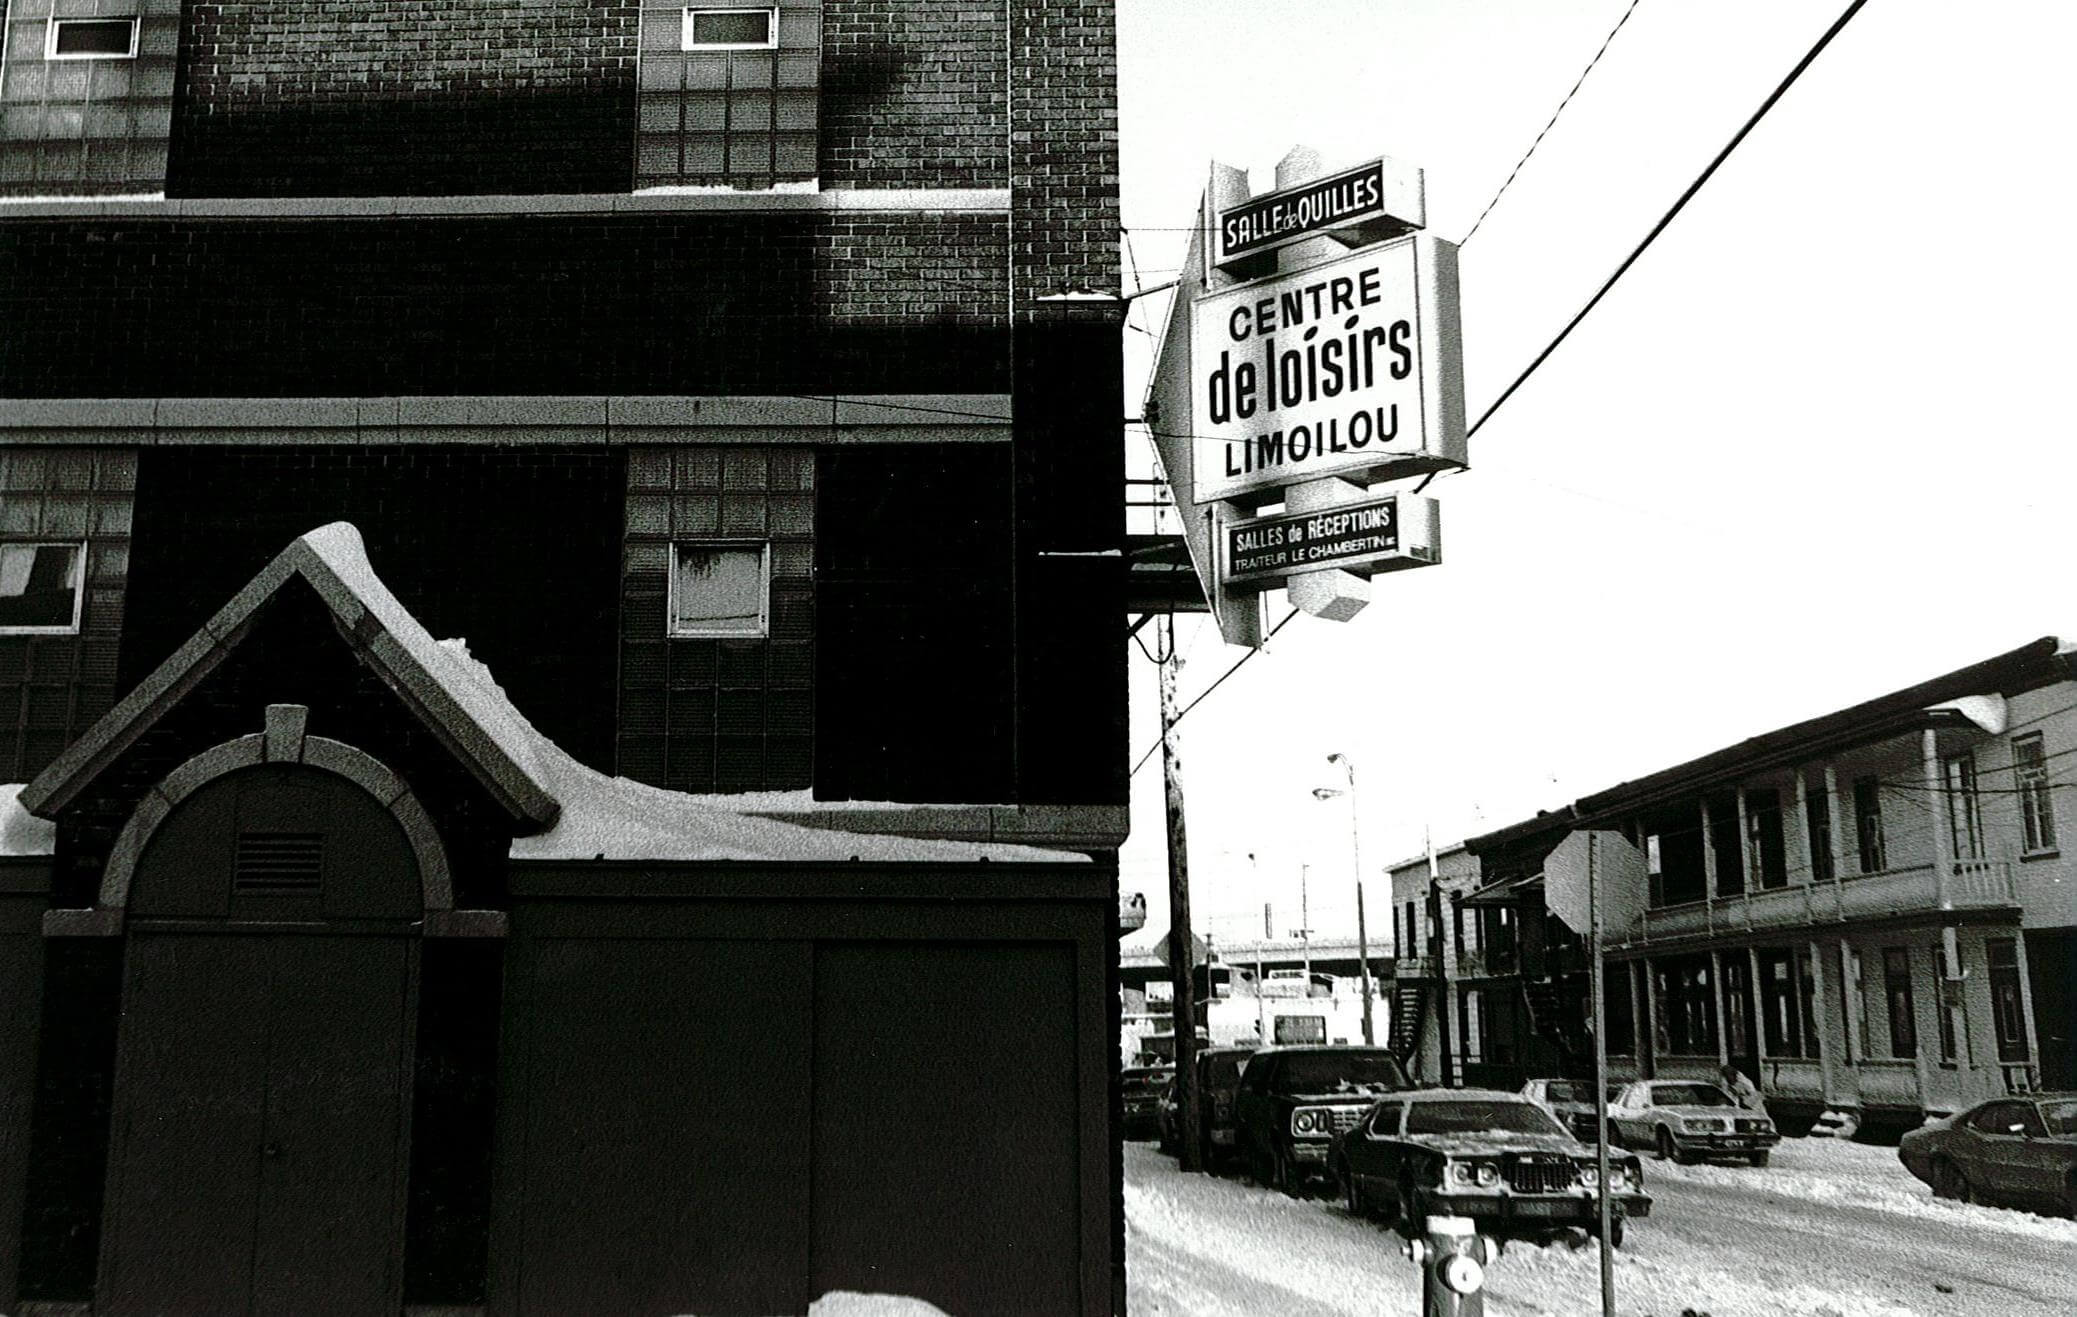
2019, 1151
1495, 1157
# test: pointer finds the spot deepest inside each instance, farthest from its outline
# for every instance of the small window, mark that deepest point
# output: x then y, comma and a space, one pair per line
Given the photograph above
730, 29
40, 588
720, 589
91, 38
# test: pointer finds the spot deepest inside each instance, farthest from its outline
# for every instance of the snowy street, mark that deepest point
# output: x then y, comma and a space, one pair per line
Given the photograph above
1831, 1229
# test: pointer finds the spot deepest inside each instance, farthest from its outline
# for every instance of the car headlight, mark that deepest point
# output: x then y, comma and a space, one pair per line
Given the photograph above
1702, 1125
1311, 1122
1591, 1176
1483, 1174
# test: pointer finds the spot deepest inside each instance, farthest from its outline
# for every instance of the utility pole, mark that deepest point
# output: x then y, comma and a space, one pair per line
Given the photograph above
1305, 928
1179, 947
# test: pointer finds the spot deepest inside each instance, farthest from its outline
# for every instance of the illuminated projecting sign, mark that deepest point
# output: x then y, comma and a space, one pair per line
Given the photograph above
1349, 368
1397, 531
1353, 196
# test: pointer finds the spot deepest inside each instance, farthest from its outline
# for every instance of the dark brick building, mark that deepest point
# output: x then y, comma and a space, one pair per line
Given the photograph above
732, 918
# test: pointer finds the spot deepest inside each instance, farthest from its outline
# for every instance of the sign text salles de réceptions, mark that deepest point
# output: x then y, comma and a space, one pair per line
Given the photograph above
1311, 374
1268, 547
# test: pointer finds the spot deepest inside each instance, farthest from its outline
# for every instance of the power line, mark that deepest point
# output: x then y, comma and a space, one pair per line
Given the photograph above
1679, 205
1214, 686
1552, 124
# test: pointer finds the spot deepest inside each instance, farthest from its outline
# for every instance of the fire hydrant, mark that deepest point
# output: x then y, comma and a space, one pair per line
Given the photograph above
1453, 1261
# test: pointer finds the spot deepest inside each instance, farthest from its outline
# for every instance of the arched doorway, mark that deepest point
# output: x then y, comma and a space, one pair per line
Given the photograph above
259, 1135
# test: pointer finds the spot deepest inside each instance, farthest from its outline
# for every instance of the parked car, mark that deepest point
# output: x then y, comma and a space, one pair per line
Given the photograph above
1687, 1119
1292, 1101
1496, 1157
1141, 1088
1218, 1078
1169, 1119
2019, 1151
1572, 1102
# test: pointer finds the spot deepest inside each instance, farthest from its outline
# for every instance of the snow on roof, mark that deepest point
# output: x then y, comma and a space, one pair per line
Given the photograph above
612, 818
849, 1303
22, 833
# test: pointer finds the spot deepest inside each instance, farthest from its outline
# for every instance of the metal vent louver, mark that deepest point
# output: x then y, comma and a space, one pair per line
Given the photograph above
278, 863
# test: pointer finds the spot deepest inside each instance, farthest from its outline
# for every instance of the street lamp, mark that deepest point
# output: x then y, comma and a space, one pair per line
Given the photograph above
1348, 767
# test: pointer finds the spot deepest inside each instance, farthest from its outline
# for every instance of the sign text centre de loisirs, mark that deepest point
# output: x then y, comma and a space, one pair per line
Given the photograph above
1322, 372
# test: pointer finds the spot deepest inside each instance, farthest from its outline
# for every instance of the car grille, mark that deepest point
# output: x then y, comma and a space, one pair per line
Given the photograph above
1751, 1126
1540, 1177
1347, 1118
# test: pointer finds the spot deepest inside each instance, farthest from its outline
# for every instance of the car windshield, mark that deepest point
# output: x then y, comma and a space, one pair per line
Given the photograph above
1146, 1081
1338, 1072
2060, 1116
1690, 1095
1474, 1117
1225, 1069
1565, 1090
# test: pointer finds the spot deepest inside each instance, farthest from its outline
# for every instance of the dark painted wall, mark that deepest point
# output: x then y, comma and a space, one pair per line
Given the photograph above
514, 550
626, 304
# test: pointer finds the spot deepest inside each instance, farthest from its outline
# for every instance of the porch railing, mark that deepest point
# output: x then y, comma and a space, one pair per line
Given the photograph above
1916, 889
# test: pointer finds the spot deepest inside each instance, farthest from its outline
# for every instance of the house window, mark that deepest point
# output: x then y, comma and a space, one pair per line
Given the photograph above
1766, 856
1687, 1006
91, 38
1724, 844
1867, 823
2036, 801
720, 589
1778, 1003
1617, 1012
1903, 1018
1817, 815
730, 29
2007, 1007
40, 589
729, 94
1964, 813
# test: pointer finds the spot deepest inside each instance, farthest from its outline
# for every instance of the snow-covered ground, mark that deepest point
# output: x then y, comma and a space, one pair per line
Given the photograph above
1831, 1229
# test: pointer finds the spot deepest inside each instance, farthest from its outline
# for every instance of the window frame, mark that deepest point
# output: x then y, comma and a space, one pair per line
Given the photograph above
1900, 997
79, 591
1867, 823
50, 35
687, 45
763, 629
1964, 804
2036, 796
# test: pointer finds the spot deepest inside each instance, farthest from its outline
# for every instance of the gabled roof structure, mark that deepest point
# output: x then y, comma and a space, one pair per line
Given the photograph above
481, 732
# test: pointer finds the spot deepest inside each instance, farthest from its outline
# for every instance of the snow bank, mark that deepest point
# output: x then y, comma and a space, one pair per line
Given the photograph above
1863, 1175
848, 1303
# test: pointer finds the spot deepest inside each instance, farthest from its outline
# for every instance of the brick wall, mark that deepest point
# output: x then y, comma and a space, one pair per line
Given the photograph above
1064, 166
53, 687
370, 97
604, 304
913, 93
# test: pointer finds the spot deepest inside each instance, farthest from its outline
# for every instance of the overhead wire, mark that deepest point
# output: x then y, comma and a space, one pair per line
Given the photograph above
1581, 82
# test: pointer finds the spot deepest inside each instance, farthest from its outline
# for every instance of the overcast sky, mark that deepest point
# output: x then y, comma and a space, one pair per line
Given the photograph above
1813, 448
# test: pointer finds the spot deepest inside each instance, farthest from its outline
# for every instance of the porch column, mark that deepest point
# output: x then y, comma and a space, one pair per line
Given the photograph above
1648, 1045
1918, 1048
1747, 882
1640, 1009
1806, 853
1936, 792
1817, 1009
1756, 1007
1850, 990
1838, 842
1708, 865
1716, 990
2026, 1007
